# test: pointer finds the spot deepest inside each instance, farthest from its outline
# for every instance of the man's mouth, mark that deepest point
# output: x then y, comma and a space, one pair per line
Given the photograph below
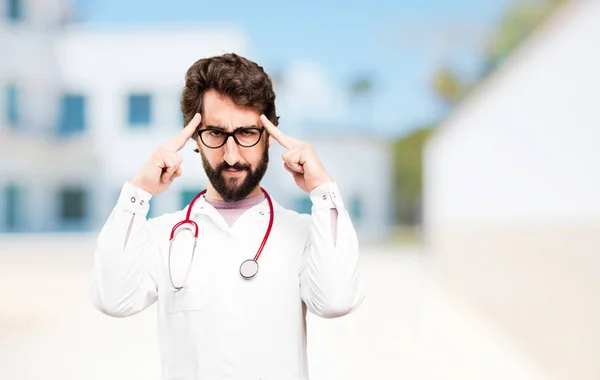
234, 171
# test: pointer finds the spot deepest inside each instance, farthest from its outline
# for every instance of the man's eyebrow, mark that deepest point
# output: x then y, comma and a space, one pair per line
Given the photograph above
215, 127
236, 128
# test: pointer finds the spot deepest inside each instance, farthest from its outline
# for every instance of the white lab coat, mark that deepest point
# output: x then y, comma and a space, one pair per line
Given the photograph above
221, 326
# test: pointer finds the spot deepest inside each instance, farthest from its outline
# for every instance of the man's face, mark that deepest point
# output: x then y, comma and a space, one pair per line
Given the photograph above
233, 171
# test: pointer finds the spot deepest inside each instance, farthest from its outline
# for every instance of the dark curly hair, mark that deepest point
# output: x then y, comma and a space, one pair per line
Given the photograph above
236, 77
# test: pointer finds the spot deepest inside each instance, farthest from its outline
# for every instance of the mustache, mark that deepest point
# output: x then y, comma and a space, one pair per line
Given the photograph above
237, 166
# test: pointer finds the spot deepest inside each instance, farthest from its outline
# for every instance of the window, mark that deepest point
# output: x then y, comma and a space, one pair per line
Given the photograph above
186, 197
72, 202
140, 110
356, 209
14, 10
303, 205
12, 200
150, 213
12, 105
72, 114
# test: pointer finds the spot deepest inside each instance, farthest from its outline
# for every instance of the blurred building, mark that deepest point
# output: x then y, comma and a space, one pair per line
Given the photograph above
512, 196
81, 109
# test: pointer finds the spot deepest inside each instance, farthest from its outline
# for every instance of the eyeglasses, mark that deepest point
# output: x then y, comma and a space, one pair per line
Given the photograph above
215, 138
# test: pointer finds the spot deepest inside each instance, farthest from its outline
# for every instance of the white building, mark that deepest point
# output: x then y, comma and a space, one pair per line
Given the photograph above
512, 196
83, 107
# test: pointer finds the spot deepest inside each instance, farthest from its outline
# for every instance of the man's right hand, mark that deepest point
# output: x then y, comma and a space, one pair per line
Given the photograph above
164, 165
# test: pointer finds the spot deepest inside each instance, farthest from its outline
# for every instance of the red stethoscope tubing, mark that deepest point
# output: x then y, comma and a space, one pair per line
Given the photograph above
268, 233
189, 221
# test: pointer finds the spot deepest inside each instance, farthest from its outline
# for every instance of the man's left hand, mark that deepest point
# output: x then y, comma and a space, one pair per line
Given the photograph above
300, 159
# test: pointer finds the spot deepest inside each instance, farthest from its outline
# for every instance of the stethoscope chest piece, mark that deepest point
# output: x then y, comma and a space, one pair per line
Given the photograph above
249, 268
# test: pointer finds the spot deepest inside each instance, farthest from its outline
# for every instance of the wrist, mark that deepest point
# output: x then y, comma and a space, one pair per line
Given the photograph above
135, 182
138, 184
321, 181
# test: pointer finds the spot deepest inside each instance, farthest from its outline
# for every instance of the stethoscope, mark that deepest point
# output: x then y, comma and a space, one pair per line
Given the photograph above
248, 268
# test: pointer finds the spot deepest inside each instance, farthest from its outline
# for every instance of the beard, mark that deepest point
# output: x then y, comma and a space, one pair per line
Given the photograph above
230, 189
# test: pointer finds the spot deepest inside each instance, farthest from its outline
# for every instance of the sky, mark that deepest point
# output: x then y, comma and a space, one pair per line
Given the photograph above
321, 46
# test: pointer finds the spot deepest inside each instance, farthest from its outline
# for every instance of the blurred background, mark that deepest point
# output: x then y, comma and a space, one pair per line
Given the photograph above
463, 135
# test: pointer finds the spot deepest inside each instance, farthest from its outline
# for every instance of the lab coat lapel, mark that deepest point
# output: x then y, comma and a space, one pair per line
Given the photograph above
258, 213
202, 207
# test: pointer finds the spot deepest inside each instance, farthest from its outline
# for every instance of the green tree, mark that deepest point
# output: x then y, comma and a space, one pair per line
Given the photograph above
361, 85
408, 169
520, 20
361, 94
448, 85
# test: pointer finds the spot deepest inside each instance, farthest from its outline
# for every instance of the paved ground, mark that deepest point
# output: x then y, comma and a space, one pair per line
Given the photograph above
407, 327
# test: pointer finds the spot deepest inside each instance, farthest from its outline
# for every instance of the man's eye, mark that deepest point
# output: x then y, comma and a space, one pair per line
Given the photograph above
248, 132
216, 133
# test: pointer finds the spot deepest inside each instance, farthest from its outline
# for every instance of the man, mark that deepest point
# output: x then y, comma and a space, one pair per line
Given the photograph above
219, 319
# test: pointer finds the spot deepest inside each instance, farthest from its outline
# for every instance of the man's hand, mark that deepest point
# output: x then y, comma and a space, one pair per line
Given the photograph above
300, 159
164, 165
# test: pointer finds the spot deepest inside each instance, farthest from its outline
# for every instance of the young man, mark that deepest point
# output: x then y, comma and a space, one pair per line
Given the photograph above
220, 317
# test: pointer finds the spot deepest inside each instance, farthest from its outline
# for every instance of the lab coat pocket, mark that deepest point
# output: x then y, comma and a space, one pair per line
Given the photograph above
184, 300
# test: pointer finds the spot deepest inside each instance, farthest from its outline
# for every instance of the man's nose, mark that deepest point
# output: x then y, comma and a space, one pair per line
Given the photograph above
232, 151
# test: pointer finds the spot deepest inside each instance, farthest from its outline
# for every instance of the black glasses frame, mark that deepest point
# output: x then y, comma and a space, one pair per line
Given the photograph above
231, 134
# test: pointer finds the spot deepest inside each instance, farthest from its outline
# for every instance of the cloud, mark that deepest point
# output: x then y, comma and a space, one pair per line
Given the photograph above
307, 91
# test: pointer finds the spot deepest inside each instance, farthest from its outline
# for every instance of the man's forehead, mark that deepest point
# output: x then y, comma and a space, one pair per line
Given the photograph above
228, 115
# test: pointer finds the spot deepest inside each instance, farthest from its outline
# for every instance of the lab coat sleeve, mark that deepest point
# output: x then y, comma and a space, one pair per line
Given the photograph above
329, 275
125, 273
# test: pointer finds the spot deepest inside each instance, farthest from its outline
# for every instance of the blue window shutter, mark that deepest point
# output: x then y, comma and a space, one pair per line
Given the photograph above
14, 10
151, 212
303, 205
72, 204
140, 110
12, 200
12, 105
186, 196
72, 114
356, 208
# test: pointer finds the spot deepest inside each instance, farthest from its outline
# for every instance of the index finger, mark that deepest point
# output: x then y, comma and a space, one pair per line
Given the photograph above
283, 139
182, 137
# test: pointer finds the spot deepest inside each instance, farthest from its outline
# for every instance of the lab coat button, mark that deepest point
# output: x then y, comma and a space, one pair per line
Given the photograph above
324, 197
132, 199
262, 213
142, 202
